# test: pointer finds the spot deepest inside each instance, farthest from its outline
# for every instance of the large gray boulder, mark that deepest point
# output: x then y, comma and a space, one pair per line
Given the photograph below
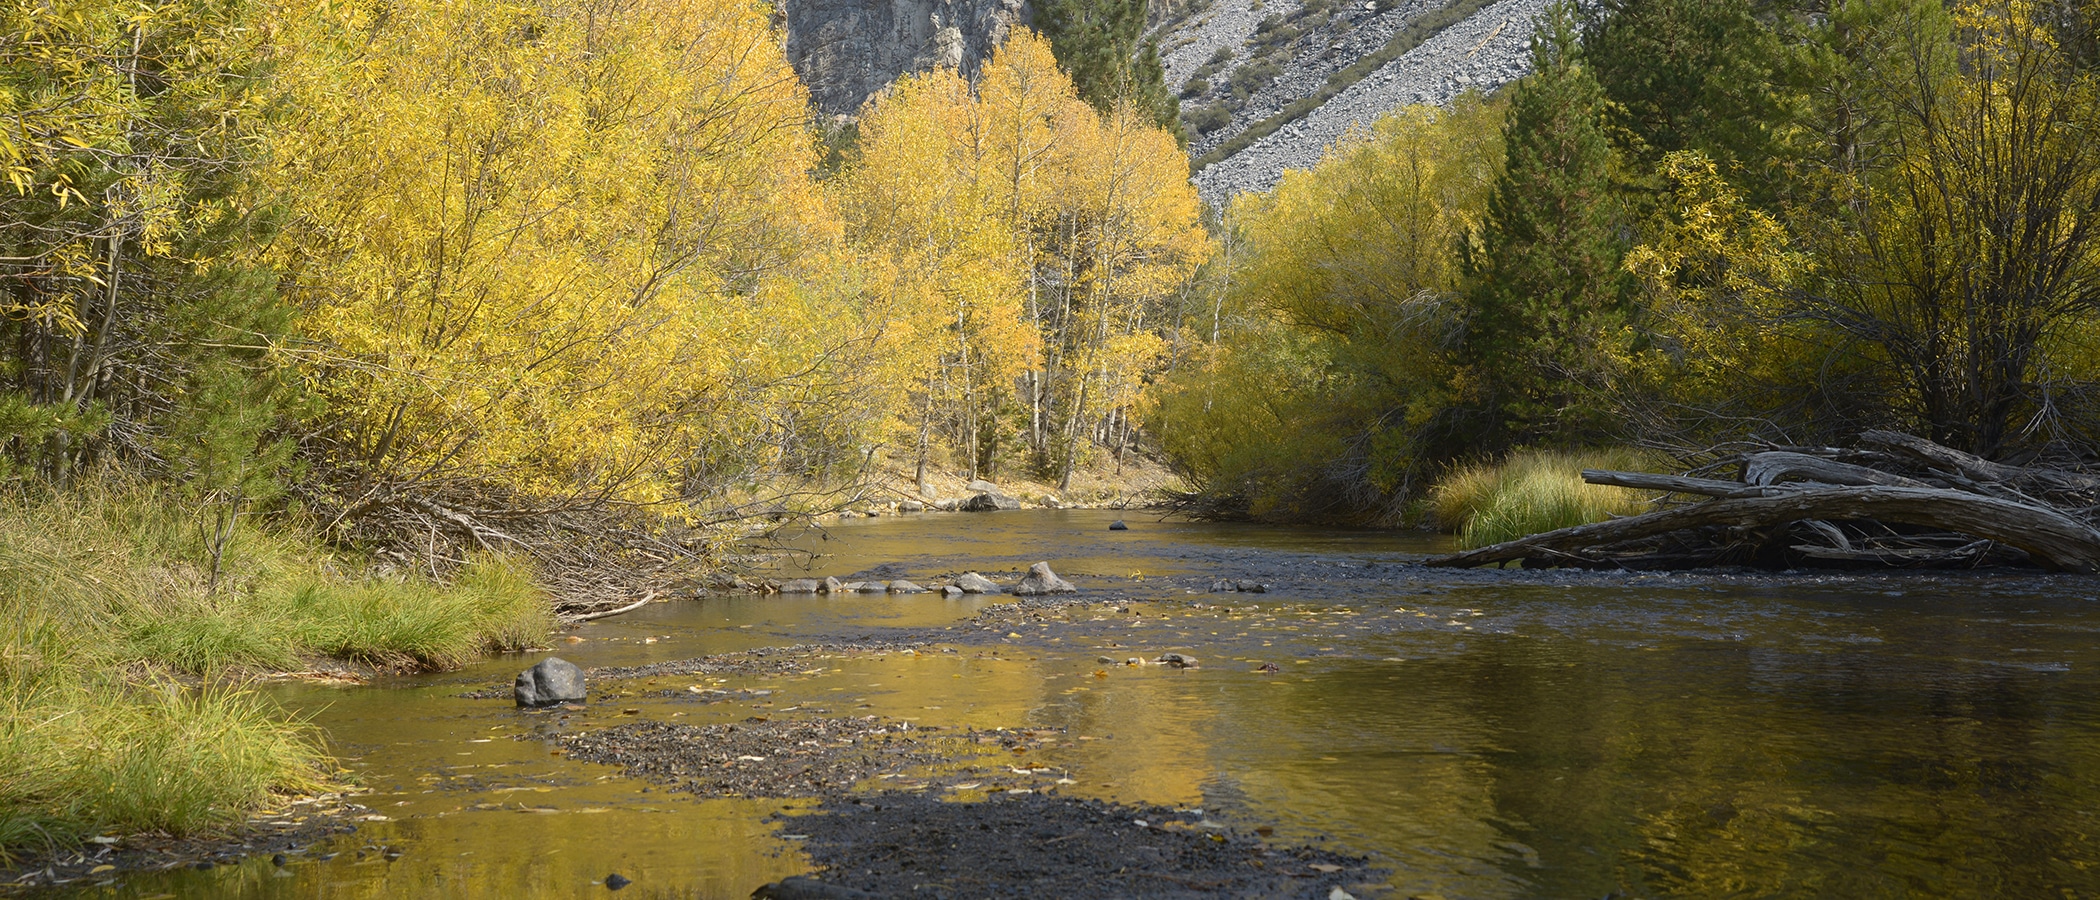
553, 680
1040, 580
988, 501
973, 583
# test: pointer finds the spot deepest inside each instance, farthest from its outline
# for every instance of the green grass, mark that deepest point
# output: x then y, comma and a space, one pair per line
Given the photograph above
1534, 491
120, 659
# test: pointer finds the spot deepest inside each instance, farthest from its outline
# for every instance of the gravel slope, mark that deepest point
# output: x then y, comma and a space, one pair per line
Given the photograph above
1228, 23
1486, 51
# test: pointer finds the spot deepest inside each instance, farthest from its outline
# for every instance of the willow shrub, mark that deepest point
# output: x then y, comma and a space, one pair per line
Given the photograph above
1533, 491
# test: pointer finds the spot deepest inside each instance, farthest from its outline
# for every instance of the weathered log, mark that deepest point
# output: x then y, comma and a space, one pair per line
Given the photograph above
1676, 484
1774, 466
1976, 468
2052, 539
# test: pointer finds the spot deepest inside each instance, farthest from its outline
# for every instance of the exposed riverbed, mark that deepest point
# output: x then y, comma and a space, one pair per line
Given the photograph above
1475, 734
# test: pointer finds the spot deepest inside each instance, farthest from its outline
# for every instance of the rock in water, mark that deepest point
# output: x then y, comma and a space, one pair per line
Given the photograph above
833, 585
1118, 525
800, 586
989, 501
973, 583
1178, 661
952, 591
1041, 580
872, 587
553, 680
911, 506
900, 586
616, 881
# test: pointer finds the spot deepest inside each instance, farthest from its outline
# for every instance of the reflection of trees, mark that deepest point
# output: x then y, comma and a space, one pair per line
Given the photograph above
1716, 769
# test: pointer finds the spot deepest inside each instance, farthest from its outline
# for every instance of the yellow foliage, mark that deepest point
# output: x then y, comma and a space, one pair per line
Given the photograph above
1716, 279
1024, 237
536, 243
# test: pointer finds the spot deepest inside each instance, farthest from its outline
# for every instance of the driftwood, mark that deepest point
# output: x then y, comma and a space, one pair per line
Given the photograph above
1801, 508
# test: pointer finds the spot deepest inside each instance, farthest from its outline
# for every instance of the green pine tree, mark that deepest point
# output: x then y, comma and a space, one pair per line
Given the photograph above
1549, 300
1102, 44
1708, 75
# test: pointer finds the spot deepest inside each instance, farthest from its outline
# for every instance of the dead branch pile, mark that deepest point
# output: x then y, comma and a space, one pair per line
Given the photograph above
1896, 500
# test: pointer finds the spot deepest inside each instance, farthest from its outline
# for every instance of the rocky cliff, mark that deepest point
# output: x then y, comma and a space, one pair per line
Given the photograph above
846, 50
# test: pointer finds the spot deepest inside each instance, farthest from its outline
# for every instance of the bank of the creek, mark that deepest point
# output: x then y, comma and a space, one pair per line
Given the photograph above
1365, 725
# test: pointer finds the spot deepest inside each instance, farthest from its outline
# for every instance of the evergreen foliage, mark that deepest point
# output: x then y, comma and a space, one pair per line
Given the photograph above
1102, 44
1549, 304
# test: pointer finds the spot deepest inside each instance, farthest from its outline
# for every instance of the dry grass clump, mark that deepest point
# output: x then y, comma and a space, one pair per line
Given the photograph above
1533, 491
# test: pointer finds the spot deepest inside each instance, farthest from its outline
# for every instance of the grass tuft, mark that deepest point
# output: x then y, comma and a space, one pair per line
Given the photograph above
119, 709
1534, 491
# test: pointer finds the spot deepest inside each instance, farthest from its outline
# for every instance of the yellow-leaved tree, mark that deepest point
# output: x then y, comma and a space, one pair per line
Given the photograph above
1038, 236
565, 251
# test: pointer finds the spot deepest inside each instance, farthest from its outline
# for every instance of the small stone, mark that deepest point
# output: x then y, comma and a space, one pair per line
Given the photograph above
973, 583
800, 586
1118, 525
1222, 586
1105, 660
900, 586
553, 680
1177, 661
1252, 587
833, 585
616, 881
1040, 580
278, 860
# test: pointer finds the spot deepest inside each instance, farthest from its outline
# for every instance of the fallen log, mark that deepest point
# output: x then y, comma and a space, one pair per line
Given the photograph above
1675, 484
2050, 538
1984, 471
1775, 466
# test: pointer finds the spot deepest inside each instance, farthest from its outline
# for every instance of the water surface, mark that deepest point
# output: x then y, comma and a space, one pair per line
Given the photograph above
1496, 734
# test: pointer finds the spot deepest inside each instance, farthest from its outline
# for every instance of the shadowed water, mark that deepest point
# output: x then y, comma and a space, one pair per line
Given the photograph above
1494, 734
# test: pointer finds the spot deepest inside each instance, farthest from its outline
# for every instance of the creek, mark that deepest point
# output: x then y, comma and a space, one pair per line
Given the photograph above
1481, 734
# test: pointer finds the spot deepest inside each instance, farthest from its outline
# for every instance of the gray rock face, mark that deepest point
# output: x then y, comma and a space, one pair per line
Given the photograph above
800, 586
1040, 580
847, 50
833, 585
951, 591
989, 501
553, 680
973, 583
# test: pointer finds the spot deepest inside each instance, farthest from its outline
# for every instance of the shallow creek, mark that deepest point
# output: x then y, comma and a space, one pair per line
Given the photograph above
1485, 734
